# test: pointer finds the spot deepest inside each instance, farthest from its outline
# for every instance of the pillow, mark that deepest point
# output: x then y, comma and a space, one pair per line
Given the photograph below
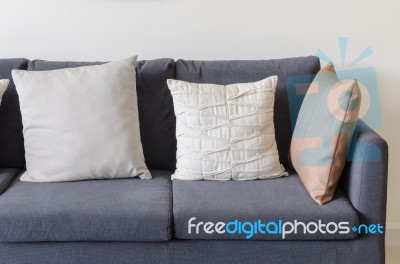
3, 87
225, 132
81, 123
323, 132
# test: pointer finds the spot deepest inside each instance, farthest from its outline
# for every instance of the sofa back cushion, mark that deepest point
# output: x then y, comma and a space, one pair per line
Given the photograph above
230, 72
156, 112
11, 139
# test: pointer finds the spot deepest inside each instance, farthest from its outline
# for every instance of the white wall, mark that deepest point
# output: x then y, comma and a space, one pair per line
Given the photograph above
216, 29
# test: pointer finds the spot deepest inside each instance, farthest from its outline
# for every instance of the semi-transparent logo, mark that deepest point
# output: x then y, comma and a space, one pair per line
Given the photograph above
297, 87
281, 228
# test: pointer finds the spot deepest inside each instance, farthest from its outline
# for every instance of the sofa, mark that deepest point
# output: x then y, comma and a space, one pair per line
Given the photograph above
146, 221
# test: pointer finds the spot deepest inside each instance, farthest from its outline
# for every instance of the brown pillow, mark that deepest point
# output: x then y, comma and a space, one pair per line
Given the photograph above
323, 132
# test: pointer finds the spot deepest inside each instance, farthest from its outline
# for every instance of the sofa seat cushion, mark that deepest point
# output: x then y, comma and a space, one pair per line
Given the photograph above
7, 176
95, 210
271, 200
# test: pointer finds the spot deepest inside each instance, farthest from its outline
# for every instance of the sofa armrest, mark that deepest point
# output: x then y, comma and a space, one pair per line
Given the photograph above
7, 176
365, 175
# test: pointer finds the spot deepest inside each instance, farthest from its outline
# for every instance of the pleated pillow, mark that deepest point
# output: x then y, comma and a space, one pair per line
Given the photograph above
225, 132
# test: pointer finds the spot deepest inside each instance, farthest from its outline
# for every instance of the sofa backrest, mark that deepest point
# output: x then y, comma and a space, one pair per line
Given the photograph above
156, 112
11, 139
230, 72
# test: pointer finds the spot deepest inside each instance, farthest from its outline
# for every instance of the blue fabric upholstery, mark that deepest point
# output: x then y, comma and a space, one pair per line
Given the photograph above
11, 139
358, 251
156, 110
364, 180
111, 213
229, 72
283, 199
95, 210
6, 177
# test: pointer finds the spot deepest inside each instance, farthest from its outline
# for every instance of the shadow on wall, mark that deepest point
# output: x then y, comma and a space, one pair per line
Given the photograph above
390, 131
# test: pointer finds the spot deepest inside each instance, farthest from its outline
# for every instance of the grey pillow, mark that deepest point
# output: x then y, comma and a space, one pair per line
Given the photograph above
156, 111
81, 123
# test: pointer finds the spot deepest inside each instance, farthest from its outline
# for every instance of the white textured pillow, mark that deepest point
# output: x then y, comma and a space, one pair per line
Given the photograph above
3, 87
225, 132
81, 123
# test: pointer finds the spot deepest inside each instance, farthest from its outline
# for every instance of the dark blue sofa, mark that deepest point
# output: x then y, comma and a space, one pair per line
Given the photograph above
146, 221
